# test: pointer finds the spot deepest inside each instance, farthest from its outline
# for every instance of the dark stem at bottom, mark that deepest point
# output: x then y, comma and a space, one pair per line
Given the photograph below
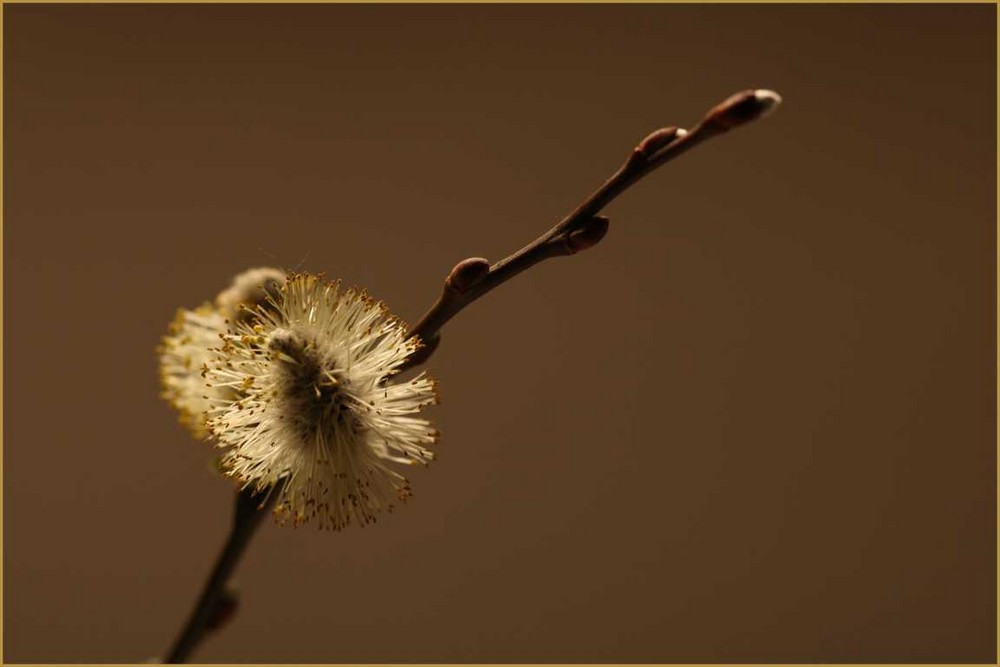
250, 507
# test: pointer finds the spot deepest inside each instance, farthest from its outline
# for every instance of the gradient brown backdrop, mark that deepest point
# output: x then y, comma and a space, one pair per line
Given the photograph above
754, 425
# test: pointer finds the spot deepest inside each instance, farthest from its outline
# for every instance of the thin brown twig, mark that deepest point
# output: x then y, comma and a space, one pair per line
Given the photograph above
472, 278
468, 281
212, 606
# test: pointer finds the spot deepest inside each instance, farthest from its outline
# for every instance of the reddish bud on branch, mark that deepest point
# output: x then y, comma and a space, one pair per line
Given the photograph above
467, 273
225, 609
743, 107
659, 139
589, 235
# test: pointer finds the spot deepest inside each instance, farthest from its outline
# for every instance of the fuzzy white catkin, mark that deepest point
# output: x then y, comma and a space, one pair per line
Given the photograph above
194, 334
301, 401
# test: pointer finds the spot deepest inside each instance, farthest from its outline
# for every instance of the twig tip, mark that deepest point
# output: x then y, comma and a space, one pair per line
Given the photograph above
768, 99
743, 107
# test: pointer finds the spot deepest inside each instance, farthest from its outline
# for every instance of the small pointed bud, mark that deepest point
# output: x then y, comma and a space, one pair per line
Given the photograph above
467, 273
659, 139
224, 610
588, 235
744, 107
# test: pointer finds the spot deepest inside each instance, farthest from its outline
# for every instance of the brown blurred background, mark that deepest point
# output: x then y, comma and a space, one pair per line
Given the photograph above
755, 424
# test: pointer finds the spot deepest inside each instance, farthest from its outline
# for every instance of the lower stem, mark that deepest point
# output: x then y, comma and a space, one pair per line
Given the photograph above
250, 508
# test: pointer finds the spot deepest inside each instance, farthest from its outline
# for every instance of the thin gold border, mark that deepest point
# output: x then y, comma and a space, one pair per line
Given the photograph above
3, 154
504, 2
996, 300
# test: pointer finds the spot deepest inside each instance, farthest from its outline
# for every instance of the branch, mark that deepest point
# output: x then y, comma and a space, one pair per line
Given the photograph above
472, 278
217, 602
